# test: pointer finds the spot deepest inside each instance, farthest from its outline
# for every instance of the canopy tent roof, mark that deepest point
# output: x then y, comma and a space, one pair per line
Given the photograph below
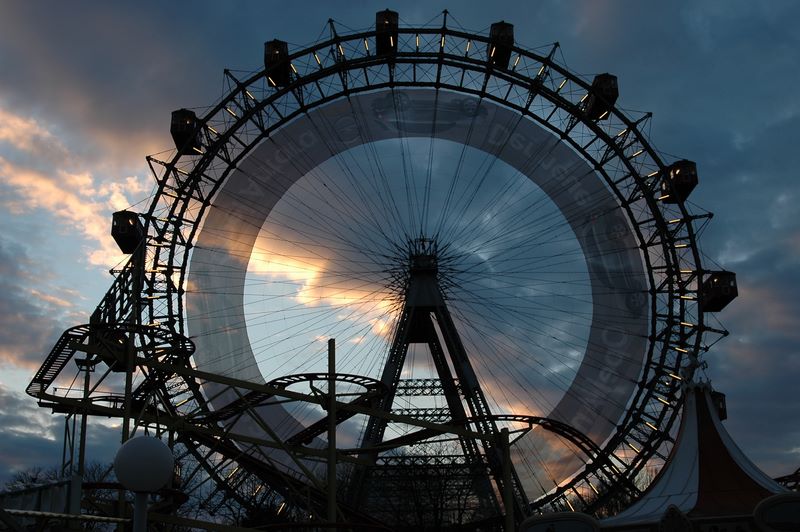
706, 475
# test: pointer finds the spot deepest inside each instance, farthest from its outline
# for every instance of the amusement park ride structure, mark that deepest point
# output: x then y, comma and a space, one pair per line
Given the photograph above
146, 355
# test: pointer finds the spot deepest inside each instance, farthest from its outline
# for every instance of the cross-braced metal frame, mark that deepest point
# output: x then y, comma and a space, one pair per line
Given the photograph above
138, 331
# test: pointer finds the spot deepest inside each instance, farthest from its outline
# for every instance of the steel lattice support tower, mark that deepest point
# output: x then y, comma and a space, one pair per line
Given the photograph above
425, 319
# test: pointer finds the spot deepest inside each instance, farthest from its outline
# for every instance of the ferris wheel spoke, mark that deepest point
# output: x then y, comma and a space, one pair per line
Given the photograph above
522, 346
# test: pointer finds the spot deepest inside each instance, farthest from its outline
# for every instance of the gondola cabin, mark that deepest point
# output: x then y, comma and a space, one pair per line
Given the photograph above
680, 178
501, 43
185, 130
276, 63
602, 96
386, 24
127, 230
719, 289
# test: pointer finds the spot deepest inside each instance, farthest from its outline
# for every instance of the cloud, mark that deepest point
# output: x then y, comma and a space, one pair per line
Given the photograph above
760, 382
758, 366
81, 85
68, 198
25, 426
38, 432
51, 299
27, 134
30, 320
290, 256
62, 187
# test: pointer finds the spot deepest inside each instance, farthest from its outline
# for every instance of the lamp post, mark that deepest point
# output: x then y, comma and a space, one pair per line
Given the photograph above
143, 465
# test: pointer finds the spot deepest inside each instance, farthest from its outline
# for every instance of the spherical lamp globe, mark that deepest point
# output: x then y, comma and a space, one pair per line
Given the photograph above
144, 464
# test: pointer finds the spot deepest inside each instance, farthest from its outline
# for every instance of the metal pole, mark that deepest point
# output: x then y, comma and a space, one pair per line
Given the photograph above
84, 418
508, 489
332, 431
75, 486
66, 446
126, 430
130, 367
140, 512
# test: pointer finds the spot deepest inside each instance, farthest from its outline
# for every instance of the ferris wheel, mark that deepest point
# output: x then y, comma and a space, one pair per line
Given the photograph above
497, 249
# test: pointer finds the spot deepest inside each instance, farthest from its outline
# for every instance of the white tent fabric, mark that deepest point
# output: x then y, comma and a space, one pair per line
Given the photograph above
680, 483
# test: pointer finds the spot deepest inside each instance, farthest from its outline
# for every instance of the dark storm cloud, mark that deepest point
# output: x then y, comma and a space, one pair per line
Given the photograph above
715, 75
93, 75
734, 119
762, 400
32, 437
758, 366
753, 189
112, 73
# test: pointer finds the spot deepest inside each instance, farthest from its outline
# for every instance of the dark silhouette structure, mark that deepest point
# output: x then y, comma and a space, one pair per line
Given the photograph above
167, 349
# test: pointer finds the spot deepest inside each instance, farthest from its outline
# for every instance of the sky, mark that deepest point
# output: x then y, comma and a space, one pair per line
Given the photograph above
86, 91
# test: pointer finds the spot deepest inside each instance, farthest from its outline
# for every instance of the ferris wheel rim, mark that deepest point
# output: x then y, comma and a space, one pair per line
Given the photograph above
348, 64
